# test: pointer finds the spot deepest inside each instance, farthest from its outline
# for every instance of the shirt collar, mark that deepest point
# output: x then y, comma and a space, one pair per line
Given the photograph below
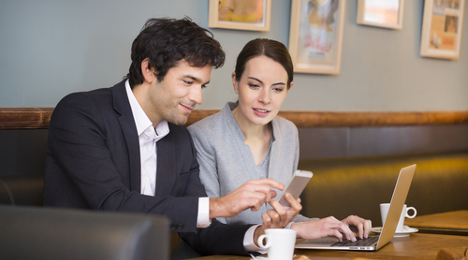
141, 119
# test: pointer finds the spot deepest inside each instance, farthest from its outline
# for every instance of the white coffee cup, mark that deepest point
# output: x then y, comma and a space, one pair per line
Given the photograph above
404, 213
279, 242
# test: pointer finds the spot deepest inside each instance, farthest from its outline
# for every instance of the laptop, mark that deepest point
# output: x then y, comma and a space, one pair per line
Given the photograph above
373, 243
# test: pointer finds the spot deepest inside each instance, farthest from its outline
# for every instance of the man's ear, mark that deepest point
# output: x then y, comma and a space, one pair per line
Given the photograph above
235, 84
146, 71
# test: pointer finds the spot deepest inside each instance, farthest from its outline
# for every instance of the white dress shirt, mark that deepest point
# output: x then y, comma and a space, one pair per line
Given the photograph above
148, 136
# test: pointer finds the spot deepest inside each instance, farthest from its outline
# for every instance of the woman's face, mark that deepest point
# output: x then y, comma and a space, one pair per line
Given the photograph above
261, 89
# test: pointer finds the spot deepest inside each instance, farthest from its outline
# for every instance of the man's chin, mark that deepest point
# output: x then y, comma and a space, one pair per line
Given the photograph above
181, 120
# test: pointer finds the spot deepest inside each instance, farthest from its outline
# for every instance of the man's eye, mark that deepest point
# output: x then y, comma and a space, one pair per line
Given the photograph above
188, 82
203, 86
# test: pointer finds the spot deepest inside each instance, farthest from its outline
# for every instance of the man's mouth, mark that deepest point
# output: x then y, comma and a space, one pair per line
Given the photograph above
188, 108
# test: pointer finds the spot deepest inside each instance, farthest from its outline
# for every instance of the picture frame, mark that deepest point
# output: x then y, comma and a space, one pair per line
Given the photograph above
442, 29
316, 35
381, 13
253, 17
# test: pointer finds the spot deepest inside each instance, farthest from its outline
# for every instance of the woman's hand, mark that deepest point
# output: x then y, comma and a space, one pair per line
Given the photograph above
358, 225
330, 226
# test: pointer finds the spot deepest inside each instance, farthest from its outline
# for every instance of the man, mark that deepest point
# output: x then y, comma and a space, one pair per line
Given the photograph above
124, 148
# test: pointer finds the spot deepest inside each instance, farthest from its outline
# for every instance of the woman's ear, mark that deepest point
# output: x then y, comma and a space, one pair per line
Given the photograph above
235, 84
146, 71
291, 85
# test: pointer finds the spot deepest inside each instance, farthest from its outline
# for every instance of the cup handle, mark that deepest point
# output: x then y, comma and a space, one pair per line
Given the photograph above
260, 241
411, 216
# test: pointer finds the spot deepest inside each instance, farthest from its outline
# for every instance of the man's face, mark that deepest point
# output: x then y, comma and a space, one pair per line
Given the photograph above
174, 98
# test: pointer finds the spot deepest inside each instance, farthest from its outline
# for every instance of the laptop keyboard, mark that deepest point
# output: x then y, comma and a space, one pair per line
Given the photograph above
359, 242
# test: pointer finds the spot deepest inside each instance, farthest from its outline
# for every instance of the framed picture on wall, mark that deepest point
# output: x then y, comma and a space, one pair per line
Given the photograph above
381, 13
442, 29
316, 35
252, 15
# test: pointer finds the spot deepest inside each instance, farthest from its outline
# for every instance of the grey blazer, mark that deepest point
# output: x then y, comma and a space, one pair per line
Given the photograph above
226, 162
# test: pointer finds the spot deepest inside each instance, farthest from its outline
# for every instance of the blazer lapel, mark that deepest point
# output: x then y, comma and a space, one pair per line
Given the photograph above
166, 168
127, 122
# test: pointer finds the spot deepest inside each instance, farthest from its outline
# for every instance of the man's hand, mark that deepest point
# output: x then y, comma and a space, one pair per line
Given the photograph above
252, 194
331, 226
278, 217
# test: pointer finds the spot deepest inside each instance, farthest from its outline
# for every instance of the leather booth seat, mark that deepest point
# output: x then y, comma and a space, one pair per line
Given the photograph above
341, 187
23, 190
49, 233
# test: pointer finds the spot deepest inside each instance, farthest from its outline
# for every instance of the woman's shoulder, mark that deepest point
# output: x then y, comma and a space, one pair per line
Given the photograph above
284, 124
208, 125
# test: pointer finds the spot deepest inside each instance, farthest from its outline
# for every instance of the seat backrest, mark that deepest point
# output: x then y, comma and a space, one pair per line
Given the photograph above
25, 190
49, 233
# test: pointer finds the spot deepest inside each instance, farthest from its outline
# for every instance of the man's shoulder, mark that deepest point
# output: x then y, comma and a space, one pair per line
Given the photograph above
180, 133
95, 98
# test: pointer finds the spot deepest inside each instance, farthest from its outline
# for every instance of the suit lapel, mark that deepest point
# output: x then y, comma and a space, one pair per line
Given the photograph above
166, 168
127, 123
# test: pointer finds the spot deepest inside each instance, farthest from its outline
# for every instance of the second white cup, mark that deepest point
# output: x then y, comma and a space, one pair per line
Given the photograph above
404, 214
279, 242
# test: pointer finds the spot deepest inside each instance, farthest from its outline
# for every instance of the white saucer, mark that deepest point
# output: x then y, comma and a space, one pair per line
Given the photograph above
402, 233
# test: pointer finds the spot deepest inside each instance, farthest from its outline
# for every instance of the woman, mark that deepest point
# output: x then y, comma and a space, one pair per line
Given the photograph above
246, 140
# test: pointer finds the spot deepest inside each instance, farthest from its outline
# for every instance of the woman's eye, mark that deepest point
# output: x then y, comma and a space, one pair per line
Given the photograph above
253, 85
278, 89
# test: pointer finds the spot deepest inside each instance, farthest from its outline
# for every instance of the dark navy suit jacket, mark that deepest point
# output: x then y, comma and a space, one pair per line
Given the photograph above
93, 162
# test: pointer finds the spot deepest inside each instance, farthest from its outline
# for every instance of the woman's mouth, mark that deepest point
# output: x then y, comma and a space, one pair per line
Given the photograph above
261, 112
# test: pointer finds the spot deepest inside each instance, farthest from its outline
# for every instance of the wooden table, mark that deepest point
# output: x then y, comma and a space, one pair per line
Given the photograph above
416, 246
451, 223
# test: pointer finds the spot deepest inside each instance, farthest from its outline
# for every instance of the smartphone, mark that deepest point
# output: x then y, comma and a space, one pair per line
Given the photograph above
295, 186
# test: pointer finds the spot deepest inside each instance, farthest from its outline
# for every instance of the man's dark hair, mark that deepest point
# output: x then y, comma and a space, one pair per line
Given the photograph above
167, 41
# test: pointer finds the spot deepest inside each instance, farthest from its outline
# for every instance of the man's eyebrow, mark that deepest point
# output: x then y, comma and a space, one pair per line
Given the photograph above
195, 79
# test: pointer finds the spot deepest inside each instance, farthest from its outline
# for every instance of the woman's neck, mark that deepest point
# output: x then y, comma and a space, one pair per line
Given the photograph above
257, 137
250, 130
